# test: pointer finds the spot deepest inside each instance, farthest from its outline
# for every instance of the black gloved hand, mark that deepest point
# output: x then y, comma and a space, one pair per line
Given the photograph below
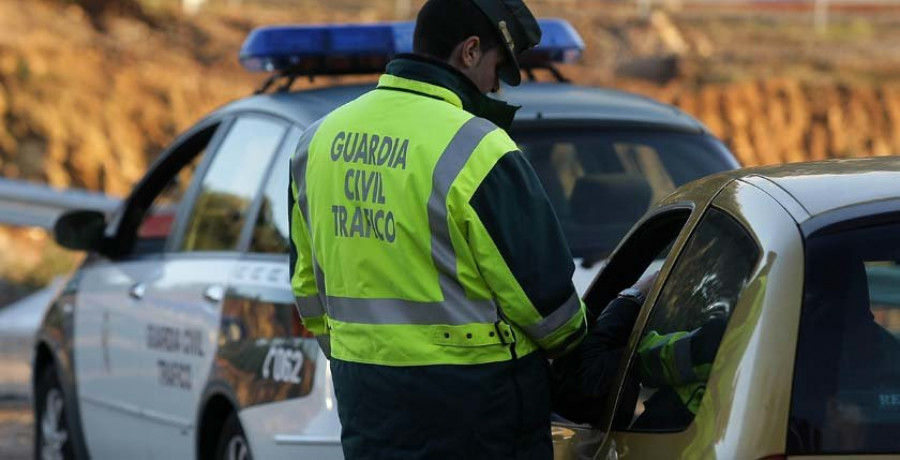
705, 341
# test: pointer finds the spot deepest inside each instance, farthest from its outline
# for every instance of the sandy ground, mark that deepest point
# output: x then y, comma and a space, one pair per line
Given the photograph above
16, 429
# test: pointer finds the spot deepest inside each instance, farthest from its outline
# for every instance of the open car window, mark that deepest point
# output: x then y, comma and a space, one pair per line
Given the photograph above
667, 379
643, 252
580, 392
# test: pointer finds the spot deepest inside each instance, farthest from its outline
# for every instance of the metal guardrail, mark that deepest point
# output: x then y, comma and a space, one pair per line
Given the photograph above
28, 204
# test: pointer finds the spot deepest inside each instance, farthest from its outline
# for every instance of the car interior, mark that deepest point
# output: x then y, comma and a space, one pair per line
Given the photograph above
598, 189
846, 396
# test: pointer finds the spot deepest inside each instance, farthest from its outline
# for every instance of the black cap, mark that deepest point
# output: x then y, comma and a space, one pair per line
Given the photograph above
518, 31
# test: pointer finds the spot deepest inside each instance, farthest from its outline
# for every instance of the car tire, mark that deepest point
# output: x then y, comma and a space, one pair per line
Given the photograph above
233, 443
52, 436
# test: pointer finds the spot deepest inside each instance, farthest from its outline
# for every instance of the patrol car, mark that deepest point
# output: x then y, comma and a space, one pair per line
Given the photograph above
178, 336
803, 262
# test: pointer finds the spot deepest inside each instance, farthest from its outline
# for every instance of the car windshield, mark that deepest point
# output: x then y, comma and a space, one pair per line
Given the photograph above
602, 181
846, 397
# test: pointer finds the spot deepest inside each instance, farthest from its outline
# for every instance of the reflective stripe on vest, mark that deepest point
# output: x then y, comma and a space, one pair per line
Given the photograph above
298, 164
310, 306
557, 319
399, 311
448, 167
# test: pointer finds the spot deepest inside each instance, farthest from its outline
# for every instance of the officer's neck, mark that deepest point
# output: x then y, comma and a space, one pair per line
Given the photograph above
439, 73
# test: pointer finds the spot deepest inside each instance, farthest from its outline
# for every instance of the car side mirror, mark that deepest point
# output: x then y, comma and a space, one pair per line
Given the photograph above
80, 230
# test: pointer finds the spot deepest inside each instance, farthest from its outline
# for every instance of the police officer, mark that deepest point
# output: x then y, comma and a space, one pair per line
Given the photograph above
426, 256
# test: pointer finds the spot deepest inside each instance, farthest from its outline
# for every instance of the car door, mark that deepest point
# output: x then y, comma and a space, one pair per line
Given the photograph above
110, 331
182, 301
728, 289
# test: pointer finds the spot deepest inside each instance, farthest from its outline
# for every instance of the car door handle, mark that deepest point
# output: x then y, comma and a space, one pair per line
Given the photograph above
214, 293
137, 291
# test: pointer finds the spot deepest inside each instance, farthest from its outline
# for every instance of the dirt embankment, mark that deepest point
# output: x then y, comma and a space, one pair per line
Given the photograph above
769, 83
81, 107
781, 120
89, 101
90, 106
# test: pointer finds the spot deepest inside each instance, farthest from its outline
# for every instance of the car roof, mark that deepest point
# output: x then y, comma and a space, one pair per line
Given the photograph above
539, 101
825, 186
819, 188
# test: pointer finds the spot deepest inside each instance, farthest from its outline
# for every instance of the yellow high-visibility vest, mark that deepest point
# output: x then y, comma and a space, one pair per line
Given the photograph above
391, 262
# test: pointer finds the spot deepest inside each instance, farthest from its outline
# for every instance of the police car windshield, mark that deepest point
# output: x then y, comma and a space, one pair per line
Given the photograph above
602, 181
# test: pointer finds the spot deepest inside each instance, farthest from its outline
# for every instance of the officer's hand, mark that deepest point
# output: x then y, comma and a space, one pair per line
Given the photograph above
705, 341
645, 284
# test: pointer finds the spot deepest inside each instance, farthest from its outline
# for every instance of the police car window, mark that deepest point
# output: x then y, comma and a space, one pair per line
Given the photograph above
601, 182
685, 328
270, 233
166, 196
846, 397
230, 184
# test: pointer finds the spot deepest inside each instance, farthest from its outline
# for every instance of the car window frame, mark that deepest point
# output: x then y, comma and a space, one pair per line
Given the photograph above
182, 219
651, 305
603, 289
121, 232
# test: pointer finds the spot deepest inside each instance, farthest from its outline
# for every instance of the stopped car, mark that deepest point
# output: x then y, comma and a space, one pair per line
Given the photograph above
803, 262
178, 336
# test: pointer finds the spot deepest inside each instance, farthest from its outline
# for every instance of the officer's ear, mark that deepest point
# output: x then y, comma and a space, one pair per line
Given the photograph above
470, 54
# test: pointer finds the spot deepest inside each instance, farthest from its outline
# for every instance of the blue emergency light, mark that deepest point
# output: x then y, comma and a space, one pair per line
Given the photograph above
560, 43
366, 48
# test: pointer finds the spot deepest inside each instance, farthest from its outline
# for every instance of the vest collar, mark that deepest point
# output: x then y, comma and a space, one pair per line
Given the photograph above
436, 79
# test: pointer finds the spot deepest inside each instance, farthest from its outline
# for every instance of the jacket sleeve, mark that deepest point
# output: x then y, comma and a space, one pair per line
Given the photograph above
523, 256
302, 266
584, 378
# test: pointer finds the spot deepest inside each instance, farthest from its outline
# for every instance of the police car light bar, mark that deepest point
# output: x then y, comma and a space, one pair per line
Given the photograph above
366, 48
560, 43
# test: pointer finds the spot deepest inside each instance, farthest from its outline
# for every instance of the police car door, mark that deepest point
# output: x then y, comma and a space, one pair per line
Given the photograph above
110, 320
278, 373
183, 305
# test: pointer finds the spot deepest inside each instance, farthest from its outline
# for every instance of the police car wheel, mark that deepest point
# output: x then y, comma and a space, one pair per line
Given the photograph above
53, 439
232, 442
